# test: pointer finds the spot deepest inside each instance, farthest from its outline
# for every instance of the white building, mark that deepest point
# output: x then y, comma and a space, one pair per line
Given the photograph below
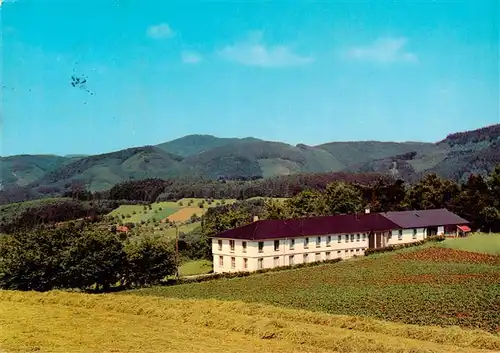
274, 243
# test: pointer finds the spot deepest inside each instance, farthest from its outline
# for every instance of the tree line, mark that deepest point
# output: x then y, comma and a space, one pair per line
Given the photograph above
477, 200
82, 257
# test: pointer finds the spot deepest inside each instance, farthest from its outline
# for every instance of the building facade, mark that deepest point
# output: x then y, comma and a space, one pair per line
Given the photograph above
274, 243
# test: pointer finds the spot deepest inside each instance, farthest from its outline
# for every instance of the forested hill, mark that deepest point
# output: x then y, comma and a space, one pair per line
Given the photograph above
455, 157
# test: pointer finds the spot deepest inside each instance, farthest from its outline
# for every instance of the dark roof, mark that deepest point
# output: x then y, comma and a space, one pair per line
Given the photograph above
290, 228
425, 218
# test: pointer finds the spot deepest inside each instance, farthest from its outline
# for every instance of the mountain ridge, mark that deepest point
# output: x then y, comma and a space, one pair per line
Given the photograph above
213, 157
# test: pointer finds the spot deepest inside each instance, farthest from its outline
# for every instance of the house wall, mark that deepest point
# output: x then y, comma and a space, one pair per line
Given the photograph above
406, 236
271, 257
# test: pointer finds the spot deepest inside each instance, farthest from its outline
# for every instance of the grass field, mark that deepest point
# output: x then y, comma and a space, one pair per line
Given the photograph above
74, 322
482, 243
162, 210
424, 286
195, 267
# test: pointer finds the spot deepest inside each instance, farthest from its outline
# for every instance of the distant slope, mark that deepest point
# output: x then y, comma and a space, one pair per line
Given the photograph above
194, 144
455, 157
259, 158
103, 171
76, 322
22, 170
351, 153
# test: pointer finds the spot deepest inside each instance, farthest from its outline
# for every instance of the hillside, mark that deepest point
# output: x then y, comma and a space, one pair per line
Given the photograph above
102, 171
455, 157
423, 286
24, 169
458, 155
74, 322
194, 144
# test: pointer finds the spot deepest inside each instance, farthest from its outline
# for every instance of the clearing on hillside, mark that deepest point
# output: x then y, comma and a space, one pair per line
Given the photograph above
75, 322
407, 286
186, 213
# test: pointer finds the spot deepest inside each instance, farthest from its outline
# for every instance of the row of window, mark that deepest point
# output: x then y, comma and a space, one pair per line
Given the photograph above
291, 258
400, 234
351, 237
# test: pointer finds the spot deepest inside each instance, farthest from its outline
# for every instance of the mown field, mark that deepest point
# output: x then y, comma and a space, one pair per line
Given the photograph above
179, 211
75, 322
482, 243
429, 285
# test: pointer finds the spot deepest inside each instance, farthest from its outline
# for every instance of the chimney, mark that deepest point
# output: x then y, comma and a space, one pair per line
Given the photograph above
255, 218
367, 210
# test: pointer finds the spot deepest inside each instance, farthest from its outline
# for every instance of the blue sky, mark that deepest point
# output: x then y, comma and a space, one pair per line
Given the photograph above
292, 71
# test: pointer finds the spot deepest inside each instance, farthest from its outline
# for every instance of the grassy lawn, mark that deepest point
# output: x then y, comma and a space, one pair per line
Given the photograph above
481, 242
75, 322
195, 267
423, 286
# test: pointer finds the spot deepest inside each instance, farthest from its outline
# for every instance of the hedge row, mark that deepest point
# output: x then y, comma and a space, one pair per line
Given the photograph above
390, 248
213, 276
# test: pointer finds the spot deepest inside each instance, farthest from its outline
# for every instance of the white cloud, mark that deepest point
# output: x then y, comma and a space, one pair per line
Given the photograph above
253, 52
384, 50
190, 57
160, 31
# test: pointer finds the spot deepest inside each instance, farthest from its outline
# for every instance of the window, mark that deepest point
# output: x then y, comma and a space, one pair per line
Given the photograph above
358, 237
233, 262
364, 236
400, 234
220, 245
260, 263
306, 243
292, 244
221, 261
352, 238
276, 245
390, 235
261, 246
318, 242
306, 257
414, 234
244, 246
291, 260
338, 253
276, 261
352, 251
357, 250
317, 256
231, 245
339, 239
327, 255
347, 238
245, 263
328, 240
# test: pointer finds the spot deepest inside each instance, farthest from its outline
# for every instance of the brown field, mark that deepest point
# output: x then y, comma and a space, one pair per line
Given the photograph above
436, 254
75, 322
186, 213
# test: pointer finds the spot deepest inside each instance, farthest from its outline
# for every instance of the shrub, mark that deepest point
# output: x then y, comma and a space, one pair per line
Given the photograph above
149, 260
65, 257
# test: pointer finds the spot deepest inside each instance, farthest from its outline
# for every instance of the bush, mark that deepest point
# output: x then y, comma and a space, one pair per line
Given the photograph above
214, 276
60, 258
149, 260
73, 257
